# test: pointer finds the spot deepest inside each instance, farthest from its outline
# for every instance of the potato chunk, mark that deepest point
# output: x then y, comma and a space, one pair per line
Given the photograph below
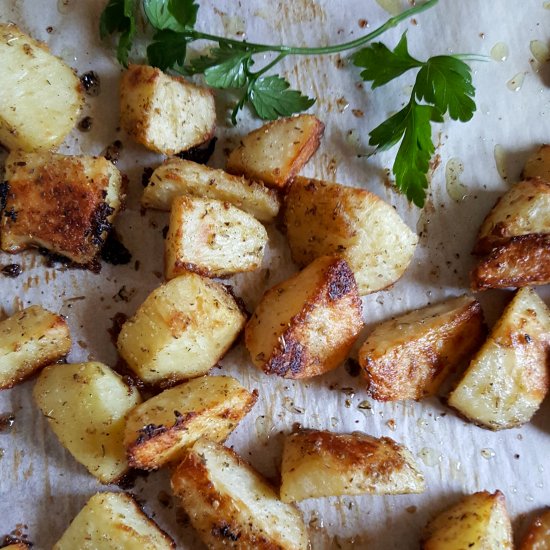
510, 375
40, 96
165, 113
65, 204
231, 505
538, 164
181, 330
86, 405
176, 177
305, 326
159, 430
328, 218
113, 520
277, 151
538, 534
30, 340
212, 238
478, 522
322, 464
16, 545
409, 357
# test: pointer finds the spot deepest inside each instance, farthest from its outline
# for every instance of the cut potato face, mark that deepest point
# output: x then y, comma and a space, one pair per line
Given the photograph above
159, 430
166, 114
61, 203
509, 377
305, 326
478, 522
30, 340
277, 151
177, 177
231, 505
40, 96
181, 330
322, 464
327, 218
212, 238
538, 164
538, 534
86, 405
409, 357
113, 520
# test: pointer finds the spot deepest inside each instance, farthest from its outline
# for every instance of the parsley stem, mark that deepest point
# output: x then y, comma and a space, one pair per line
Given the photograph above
280, 57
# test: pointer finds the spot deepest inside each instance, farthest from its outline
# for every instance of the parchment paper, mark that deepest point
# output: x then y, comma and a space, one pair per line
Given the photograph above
42, 487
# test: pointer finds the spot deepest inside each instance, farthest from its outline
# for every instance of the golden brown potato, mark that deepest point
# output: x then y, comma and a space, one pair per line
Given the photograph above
478, 522
277, 151
231, 505
176, 177
538, 534
30, 340
327, 218
112, 521
181, 330
510, 375
409, 357
16, 544
212, 238
40, 96
523, 210
159, 430
522, 261
86, 405
65, 204
322, 464
538, 164
306, 325
165, 113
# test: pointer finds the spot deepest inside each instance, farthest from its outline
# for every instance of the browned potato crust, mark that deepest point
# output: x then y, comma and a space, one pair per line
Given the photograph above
15, 545
538, 534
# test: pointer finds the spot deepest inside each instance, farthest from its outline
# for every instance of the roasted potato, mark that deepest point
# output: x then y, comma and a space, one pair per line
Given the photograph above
327, 218
159, 430
212, 238
40, 96
538, 534
86, 405
523, 210
322, 464
112, 521
231, 505
15, 544
30, 340
277, 151
409, 357
65, 204
176, 177
522, 261
165, 113
510, 375
306, 325
538, 164
181, 330
478, 522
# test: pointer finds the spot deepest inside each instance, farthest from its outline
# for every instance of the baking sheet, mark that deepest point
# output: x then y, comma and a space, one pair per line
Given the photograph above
42, 486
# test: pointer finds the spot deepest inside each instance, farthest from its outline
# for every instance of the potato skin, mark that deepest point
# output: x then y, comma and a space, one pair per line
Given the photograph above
538, 164
538, 534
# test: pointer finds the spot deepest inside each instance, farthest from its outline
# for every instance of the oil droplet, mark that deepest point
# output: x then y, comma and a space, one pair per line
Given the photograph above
455, 188
529, 498
63, 6
499, 52
513, 489
430, 457
546, 5
334, 421
456, 469
516, 82
488, 453
264, 427
541, 53
422, 424
500, 161
541, 468
342, 103
540, 485
393, 7
233, 25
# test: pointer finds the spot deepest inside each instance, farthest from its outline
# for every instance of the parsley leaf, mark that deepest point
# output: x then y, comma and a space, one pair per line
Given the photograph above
168, 50
224, 67
118, 16
174, 15
184, 11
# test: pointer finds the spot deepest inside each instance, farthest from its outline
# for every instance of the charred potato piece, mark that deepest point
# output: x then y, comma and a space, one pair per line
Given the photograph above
212, 238
522, 261
277, 151
113, 520
538, 534
40, 96
322, 464
166, 114
510, 375
327, 218
65, 204
478, 522
538, 164
231, 505
409, 357
181, 330
176, 177
305, 326
86, 405
30, 340
159, 430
